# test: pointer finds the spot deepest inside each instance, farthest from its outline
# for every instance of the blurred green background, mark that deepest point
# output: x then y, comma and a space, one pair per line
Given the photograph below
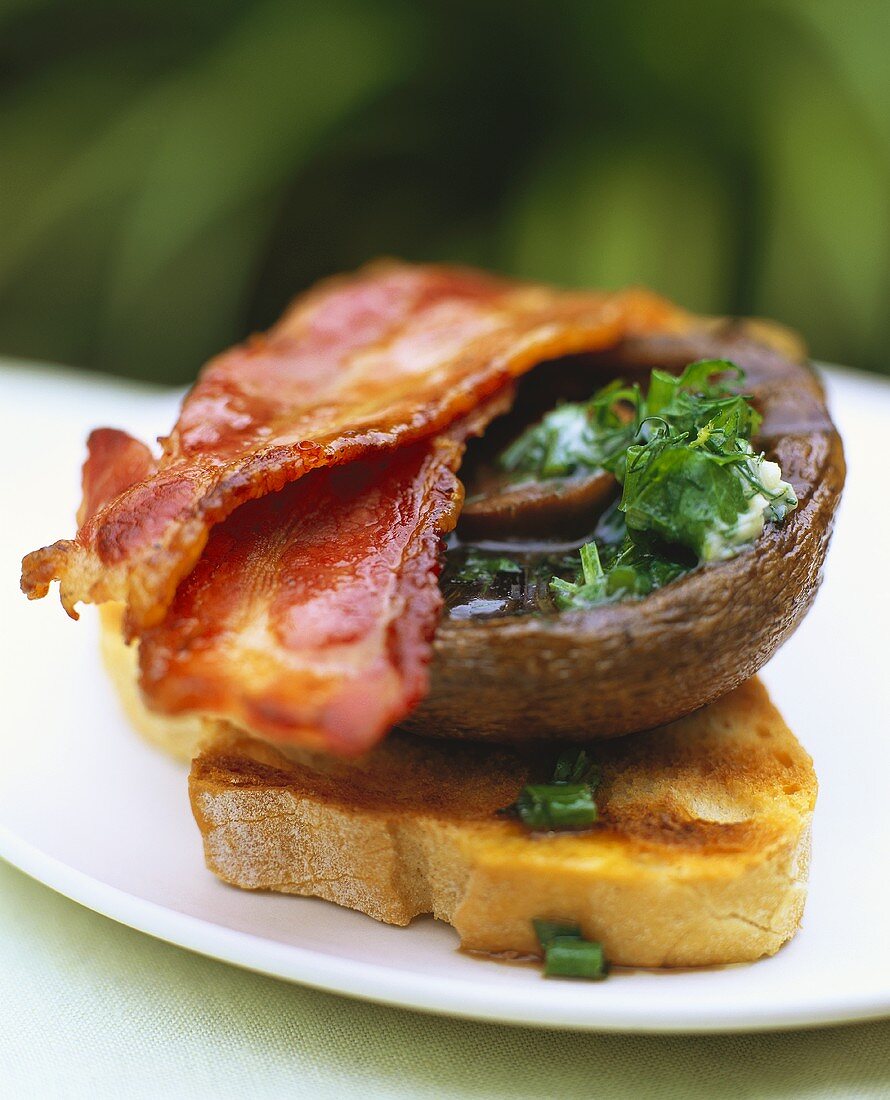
172, 173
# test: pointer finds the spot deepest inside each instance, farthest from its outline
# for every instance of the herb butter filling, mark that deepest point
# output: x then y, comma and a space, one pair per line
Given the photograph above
692, 489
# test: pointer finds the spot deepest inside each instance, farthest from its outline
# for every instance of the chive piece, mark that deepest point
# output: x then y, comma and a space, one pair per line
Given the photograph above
566, 763
567, 954
566, 802
570, 957
548, 930
590, 563
574, 766
556, 806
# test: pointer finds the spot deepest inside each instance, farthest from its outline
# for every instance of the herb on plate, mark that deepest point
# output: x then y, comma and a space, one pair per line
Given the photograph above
567, 954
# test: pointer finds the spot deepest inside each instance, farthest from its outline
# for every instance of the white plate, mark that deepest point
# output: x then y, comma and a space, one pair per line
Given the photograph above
91, 811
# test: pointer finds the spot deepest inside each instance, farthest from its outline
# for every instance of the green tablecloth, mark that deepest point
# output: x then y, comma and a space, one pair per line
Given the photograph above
90, 1008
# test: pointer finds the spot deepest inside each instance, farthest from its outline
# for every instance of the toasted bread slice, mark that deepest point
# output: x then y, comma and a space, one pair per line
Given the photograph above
700, 855
178, 736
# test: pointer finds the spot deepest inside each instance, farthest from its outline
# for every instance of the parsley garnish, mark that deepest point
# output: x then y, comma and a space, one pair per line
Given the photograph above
692, 487
576, 437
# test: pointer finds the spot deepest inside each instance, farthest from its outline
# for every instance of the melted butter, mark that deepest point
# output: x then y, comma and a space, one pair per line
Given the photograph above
479, 608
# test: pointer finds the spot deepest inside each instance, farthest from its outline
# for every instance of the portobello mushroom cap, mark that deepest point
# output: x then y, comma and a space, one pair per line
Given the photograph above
638, 663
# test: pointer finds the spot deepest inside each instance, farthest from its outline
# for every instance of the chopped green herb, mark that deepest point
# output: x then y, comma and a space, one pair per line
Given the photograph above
703, 489
575, 766
548, 930
555, 806
566, 802
576, 437
482, 569
692, 487
567, 954
575, 958
632, 571
590, 589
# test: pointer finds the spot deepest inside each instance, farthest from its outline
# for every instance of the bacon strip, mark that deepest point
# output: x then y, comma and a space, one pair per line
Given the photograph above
114, 462
310, 615
364, 363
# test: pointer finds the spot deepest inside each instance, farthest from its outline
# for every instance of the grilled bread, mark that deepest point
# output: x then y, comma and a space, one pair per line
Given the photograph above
699, 856
179, 736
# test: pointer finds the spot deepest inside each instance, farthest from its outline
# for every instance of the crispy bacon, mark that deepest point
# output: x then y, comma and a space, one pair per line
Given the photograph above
114, 462
310, 615
364, 363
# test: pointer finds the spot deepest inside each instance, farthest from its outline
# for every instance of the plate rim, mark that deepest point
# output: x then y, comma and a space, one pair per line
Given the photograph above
380, 984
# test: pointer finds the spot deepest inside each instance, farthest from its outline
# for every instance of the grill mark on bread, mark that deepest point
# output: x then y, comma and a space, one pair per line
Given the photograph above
673, 830
697, 786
